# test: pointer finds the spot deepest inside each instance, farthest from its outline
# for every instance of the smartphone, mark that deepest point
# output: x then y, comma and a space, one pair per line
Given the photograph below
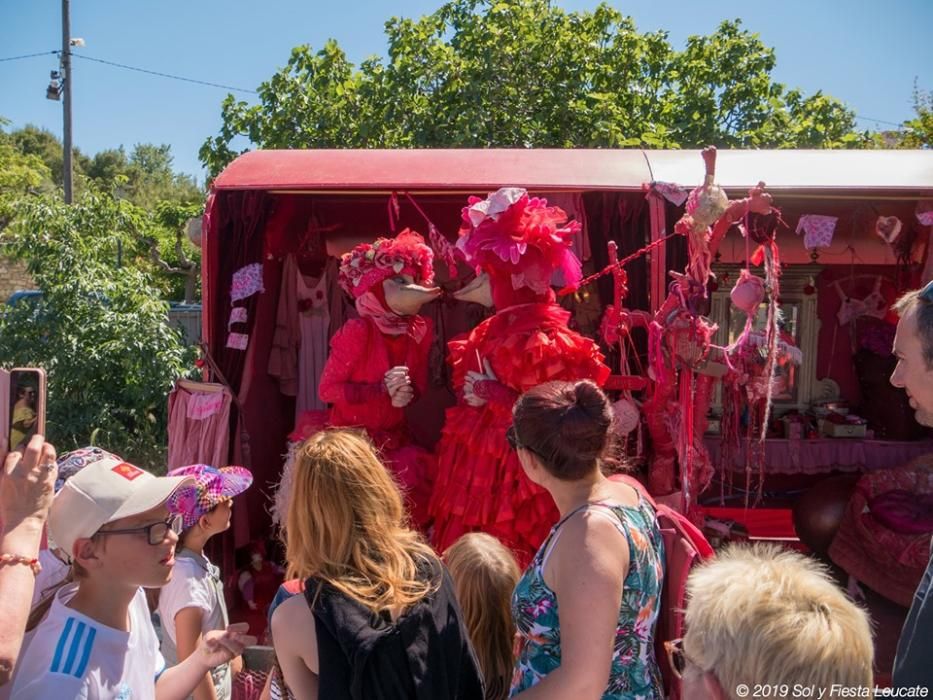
22, 406
258, 658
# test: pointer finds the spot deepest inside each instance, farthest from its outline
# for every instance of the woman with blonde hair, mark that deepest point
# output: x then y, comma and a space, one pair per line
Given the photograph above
379, 616
485, 573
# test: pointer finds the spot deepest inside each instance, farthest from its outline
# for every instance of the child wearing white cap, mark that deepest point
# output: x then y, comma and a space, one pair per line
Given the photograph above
97, 640
192, 603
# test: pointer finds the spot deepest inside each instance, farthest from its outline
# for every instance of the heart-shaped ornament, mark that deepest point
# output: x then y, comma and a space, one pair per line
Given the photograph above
888, 228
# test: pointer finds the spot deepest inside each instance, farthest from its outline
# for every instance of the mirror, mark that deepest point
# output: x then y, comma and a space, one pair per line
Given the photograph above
799, 326
786, 374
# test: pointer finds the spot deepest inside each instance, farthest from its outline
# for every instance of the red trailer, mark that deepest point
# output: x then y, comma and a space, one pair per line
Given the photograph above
267, 204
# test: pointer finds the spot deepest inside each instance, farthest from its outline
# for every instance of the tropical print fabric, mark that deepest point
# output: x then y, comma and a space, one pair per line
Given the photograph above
635, 674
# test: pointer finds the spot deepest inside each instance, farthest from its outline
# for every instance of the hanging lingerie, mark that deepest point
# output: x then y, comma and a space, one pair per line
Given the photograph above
873, 305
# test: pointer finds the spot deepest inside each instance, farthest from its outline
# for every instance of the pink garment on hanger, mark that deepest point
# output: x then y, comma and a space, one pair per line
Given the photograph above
198, 424
314, 324
672, 192
818, 230
246, 282
873, 305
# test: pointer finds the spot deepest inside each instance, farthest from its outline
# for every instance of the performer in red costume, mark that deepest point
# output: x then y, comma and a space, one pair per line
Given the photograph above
378, 363
516, 243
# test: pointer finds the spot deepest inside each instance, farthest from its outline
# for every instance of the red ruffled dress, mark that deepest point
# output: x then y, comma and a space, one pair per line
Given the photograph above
352, 382
480, 483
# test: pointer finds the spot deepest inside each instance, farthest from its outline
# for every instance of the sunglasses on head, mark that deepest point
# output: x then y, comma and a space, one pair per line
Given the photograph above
512, 438
926, 294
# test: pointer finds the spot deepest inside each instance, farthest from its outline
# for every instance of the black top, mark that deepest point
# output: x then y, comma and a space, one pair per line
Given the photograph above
424, 655
913, 664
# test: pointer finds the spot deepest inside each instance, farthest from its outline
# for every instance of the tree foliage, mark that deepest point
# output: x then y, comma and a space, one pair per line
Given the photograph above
913, 133
20, 174
101, 332
524, 73
31, 163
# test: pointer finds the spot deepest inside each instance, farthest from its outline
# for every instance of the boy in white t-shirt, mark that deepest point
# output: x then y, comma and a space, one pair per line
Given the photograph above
192, 603
97, 640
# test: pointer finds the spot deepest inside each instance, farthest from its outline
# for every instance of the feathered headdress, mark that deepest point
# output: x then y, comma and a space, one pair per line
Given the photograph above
370, 263
521, 234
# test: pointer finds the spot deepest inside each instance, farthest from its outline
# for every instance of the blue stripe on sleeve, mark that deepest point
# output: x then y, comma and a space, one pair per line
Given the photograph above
86, 654
60, 647
73, 649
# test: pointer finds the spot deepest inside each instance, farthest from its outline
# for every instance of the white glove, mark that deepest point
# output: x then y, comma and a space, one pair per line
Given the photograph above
472, 377
398, 384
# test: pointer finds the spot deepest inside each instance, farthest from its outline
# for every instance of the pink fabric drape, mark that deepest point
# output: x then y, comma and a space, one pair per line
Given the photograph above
199, 424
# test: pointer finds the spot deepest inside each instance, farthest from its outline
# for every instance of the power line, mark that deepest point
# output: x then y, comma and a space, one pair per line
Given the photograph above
878, 121
85, 57
237, 89
27, 55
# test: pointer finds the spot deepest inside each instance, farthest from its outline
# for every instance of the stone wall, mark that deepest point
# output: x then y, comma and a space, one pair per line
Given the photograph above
13, 276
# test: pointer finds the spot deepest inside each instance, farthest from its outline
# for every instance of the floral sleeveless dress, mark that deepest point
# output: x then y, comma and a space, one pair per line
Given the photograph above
635, 673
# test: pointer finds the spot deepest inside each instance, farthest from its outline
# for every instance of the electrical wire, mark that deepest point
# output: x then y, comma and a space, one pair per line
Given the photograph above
246, 90
132, 68
85, 57
877, 121
28, 55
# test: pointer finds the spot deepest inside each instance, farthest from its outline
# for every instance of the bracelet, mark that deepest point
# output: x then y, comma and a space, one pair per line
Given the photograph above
31, 562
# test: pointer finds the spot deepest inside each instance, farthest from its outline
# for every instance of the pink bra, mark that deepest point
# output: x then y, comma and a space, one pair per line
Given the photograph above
873, 305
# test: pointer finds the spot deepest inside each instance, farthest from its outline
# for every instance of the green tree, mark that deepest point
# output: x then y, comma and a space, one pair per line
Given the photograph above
913, 133
32, 140
31, 162
176, 261
100, 332
524, 73
20, 175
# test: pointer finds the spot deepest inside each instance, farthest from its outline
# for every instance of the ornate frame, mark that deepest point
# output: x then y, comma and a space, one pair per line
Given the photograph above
794, 279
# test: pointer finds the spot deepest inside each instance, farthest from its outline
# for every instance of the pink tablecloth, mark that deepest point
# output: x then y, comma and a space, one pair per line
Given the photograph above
827, 454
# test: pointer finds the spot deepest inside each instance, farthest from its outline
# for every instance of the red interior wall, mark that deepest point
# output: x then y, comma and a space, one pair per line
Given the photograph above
295, 220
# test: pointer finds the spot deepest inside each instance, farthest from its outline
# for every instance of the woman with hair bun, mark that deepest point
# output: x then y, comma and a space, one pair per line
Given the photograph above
587, 605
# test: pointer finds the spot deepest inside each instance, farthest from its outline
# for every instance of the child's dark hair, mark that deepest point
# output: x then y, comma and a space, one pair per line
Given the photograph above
566, 425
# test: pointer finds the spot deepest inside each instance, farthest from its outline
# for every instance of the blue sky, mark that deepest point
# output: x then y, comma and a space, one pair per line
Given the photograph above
864, 53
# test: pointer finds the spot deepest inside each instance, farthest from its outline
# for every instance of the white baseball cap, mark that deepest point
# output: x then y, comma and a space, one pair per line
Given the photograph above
104, 491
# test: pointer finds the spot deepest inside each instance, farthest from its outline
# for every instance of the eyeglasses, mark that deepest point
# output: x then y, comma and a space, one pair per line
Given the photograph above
676, 656
155, 533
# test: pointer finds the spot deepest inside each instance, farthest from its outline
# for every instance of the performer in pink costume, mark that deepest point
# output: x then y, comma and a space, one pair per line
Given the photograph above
378, 363
516, 243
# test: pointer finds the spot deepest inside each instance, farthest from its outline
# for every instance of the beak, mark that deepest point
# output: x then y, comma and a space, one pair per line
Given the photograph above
426, 293
407, 299
478, 291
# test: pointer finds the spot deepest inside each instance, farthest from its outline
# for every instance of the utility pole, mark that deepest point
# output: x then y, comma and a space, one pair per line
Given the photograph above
67, 84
